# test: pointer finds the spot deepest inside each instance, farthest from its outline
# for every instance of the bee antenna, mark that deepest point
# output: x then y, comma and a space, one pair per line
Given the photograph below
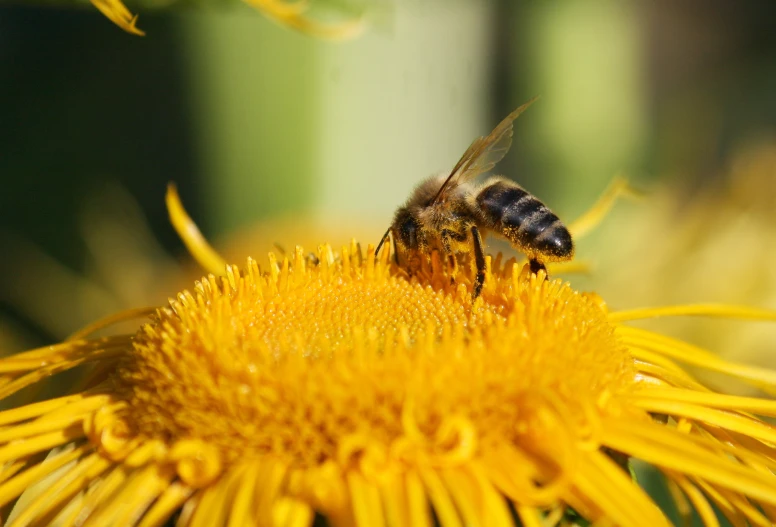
382, 241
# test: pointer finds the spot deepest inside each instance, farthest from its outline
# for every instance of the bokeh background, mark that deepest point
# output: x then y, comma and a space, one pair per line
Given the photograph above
275, 138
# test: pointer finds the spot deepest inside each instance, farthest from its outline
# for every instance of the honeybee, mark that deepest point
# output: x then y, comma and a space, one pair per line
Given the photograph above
448, 213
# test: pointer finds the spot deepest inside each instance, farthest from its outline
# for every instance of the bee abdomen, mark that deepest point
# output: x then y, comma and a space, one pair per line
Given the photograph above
524, 220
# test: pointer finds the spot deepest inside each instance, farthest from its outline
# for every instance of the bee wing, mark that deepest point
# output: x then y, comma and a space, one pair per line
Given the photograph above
483, 154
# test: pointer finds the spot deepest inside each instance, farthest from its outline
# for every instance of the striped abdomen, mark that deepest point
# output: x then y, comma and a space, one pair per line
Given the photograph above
524, 220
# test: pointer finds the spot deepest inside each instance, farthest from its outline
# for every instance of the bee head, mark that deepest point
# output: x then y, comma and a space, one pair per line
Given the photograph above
407, 229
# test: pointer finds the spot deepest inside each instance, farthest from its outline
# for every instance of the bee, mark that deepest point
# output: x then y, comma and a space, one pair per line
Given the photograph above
450, 214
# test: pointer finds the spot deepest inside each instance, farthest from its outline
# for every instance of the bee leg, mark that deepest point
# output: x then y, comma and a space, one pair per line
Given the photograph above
447, 247
537, 266
413, 262
452, 262
479, 262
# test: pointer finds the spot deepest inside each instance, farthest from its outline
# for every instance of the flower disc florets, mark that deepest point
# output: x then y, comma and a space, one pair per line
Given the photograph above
347, 361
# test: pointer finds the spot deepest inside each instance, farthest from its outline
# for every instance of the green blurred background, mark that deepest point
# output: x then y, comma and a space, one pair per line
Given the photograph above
255, 121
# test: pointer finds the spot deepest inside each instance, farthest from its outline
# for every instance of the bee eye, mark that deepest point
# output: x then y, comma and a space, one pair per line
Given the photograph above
408, 232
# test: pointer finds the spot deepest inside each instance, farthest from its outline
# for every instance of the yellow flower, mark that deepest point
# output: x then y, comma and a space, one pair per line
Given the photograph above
293, 14
335, 385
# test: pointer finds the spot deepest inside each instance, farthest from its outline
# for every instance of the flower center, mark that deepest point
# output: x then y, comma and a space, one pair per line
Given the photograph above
323, 362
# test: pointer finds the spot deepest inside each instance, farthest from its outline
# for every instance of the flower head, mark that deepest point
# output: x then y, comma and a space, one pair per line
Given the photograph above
336, 385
